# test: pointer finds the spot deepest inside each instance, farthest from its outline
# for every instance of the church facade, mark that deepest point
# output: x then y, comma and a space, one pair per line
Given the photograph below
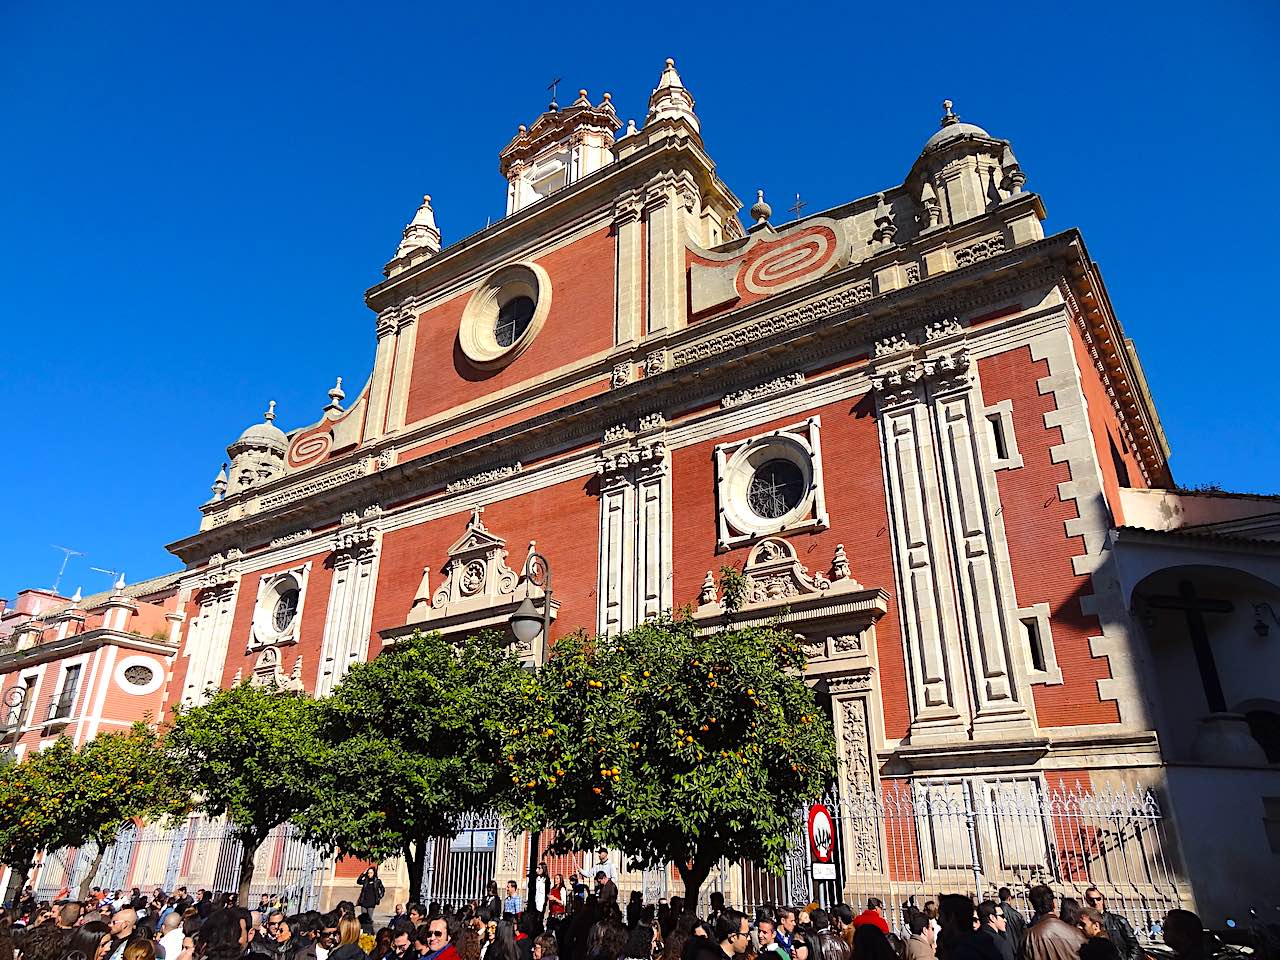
913, 421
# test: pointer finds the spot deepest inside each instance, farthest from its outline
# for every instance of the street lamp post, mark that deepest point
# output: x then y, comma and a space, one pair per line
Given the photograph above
533, 629
15, 699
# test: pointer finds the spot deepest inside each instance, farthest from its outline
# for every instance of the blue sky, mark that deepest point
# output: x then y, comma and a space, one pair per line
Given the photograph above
195, 196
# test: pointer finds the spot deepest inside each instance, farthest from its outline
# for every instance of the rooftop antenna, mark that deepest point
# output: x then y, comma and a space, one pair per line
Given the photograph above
67, 554
117, 574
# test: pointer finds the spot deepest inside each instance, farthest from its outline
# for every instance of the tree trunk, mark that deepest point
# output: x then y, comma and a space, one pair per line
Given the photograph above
415, 860
17, 878
693, 875
83, 892
248, 853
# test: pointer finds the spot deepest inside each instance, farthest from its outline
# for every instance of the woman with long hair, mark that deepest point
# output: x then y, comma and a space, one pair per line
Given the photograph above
641, 943
503, 946
89, 941
545, 948
348, 947
492, 903
557, 898
381, 944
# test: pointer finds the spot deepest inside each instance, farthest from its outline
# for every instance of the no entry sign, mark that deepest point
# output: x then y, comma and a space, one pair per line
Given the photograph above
822, 833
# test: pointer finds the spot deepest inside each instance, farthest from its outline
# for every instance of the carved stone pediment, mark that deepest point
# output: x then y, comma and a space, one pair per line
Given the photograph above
479, 590
832, 615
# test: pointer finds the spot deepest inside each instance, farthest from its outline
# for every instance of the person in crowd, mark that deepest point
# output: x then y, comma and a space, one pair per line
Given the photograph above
541, 885
69, 916
801, 948
767, 940
402, 945
557, 897
1184, 934
830, 945
204, 905
222, 936
842, 919
874, 915
1097, 945
492, 903
503, 944
1048, 938
140, 949
602, 863
511, 902
89, 941
171, 935
1015, 924
1119, 932
870, 943
468, 945
41, 941
124, 928
991, 931
732, 931
1069, 911
416, 913
787, 918
919, 945
381, 944
544, 948
635, 908
372, 890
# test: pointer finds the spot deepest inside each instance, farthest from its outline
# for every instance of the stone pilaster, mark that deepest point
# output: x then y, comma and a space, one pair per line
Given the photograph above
209, 634
380, 381
628, 223
667, 200
635, 526
349, 619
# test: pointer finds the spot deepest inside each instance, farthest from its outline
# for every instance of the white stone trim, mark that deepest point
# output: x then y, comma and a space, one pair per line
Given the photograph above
475, 332
1039, 615
1092, 524
262, 631
736, 463
348, 620
208, 636
137, 660
1000, 439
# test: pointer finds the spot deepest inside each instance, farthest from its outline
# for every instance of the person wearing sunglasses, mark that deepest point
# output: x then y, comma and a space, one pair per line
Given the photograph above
733, 933
1117, 927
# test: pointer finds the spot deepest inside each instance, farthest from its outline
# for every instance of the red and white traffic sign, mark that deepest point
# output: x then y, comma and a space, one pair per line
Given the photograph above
822, 833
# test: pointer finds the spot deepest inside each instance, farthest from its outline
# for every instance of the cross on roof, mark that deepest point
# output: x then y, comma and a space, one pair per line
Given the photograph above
796, 207
476, 522
552, 87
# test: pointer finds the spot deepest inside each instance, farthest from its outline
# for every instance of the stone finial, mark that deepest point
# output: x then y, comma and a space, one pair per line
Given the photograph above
1014, 178
631, 128
219, 486
583, 100
670, 100
948, 117
708, 593
336, 396
422, 234
271, 412
932, 208
760, 211
885, 228
840, 564
119, 584
77, 596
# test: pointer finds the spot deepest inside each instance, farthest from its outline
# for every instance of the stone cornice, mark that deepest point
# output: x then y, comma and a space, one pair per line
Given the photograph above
765, 339
82, 643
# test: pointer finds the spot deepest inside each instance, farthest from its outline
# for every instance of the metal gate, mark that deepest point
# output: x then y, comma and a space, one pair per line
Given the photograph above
197, 853
456, 869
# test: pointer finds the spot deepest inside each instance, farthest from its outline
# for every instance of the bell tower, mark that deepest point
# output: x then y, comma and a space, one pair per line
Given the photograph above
561, 147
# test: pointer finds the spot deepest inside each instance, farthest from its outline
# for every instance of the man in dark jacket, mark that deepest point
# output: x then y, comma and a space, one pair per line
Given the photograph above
830, 946
1048, 938
1117, 927
992, 926
1015, 924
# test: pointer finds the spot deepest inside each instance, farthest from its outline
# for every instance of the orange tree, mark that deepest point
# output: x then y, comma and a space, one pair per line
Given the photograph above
671, 746
69, 796
413, 739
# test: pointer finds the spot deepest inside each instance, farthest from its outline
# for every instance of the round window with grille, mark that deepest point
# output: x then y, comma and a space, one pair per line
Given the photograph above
504, 315
286, 609
139, 675
776, 488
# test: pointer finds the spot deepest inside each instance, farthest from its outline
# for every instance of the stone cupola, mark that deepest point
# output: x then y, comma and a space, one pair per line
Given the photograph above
258, 454
962, 172
561, 147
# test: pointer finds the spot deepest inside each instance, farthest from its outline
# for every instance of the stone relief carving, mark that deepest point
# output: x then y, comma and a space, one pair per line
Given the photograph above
859, 783
655, 363
896, 343
776, 385
484, 477
983, 249
940, 329
476, 576
291, 537
621, 375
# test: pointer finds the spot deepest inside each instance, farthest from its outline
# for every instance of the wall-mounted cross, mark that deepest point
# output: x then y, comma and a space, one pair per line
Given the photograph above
1194, 608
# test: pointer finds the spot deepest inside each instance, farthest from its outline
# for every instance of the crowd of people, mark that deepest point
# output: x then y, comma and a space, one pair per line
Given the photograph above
576, 920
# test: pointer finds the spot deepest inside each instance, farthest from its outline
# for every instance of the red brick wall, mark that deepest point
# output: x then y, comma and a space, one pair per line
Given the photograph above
315, 604
579, 324
1039, 547
1105, 426
564, 519
859, 520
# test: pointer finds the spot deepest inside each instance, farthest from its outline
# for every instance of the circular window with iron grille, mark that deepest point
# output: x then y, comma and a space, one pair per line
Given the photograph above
504, 315
139, 675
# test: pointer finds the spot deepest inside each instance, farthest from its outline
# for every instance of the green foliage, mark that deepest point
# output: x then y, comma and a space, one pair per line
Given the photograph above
672, 746
415, 738
67, 796
250, 754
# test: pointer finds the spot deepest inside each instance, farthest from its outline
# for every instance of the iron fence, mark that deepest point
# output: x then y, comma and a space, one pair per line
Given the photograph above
197, 853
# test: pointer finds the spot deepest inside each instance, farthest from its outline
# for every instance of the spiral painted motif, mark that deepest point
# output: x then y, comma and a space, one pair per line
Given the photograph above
773, 266
310, 448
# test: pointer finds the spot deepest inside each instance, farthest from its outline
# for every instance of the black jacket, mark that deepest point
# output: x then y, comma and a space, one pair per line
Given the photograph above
1121, 934
372, 890
1015, 925
348, 951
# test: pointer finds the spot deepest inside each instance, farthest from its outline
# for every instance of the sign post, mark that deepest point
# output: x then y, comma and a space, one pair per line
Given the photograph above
822, 843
